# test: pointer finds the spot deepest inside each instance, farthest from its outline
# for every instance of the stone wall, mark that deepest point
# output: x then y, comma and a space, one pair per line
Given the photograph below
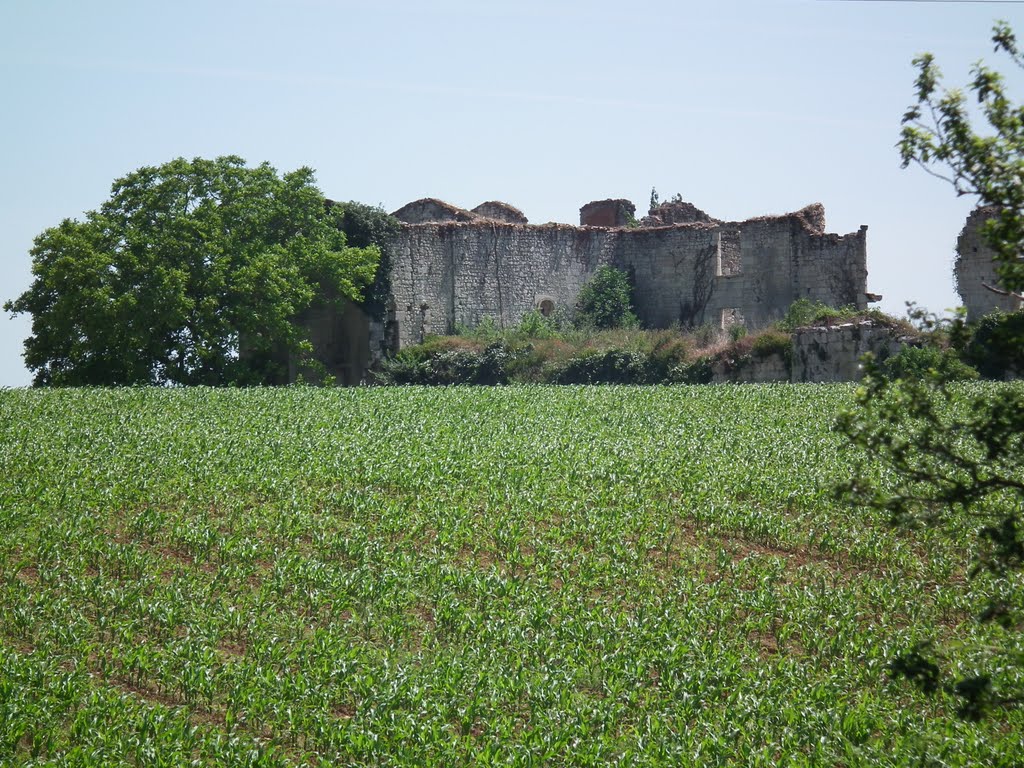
833, 353
677, 213
429, 209
975, 269
753, 370
499, 211
465, 268
450, 275
607, 213
822, 354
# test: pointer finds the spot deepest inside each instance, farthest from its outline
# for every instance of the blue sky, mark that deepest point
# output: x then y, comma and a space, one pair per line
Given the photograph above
744, 108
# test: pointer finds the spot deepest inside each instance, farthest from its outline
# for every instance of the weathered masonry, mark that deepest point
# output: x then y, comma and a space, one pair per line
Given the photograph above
454, 267
975, 271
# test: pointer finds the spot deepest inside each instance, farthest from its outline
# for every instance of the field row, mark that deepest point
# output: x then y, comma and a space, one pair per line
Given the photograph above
492, 576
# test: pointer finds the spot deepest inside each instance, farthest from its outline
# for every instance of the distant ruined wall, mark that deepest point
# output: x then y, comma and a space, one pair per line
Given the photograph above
607, 213
834, 353
501, 212
975, 269
447, 275
677, 213
756, 370
817, 355
466, 268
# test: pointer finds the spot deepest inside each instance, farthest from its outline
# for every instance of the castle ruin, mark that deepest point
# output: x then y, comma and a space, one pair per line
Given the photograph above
975, 271
452, 267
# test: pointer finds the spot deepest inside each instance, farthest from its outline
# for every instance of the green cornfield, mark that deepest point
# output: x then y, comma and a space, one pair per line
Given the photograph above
524, 576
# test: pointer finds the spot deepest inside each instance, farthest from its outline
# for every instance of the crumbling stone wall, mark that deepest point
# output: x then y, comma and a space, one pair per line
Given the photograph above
818, 354
975, 269
676, 212
429, 209
453, 267
456, 267
757, 370
499, 211
833, 353
607, 213
452, 274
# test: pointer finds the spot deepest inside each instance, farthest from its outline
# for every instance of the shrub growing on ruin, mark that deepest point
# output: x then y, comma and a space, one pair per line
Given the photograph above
804, 312
370, 226
612, 366
606, 300
698, 371
772, 342
668, 350
486, 330
534, 325
438, 365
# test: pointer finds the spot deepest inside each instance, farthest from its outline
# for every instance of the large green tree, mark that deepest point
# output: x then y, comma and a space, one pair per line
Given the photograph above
953, 457
193, 272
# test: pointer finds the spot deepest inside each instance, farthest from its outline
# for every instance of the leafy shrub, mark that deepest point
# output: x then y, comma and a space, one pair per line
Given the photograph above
534, 325
486, 330
737, 331
455, 367
606, 301
995, 348
491, 365
696, 372
707, 335
669, 349
804, 312
366, 225
916, 363
801, 313
613, 366
772, 342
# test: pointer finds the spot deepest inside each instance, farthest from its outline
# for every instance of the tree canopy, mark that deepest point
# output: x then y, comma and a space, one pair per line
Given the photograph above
193, 272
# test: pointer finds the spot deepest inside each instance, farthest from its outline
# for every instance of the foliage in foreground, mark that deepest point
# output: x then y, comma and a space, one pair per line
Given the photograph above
492, 576
958, 462
938, 135
995, 347
193, 272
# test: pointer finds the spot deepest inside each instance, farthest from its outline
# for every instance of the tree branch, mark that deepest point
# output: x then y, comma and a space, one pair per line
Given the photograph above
1001, 292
